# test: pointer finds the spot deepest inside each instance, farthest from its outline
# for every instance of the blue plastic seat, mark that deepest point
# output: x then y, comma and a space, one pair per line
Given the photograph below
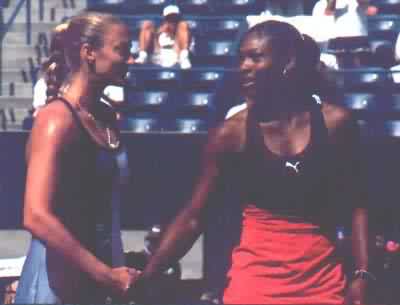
215, 53
146, 100
239, 7
224, 29
195, 7
387, 6
154, 78
383, 27
369, 80
205, 80
188, 125
360, 101
196, 105
141, 124
148, 6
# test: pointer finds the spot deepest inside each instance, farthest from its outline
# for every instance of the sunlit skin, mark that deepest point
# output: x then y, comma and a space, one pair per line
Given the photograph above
55, 142
286, 129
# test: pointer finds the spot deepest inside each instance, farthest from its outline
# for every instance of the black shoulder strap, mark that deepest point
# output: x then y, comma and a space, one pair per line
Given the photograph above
71, 108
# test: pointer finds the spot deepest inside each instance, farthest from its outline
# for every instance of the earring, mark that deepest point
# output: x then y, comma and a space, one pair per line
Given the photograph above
92, 66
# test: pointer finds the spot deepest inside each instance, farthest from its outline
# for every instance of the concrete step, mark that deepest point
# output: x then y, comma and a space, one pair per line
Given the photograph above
36, 27
17, 63
18, 51
15, 102
50, 13
55, 3
17, 89
14, 75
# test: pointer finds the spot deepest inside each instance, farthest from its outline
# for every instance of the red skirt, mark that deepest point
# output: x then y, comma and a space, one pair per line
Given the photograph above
281, 260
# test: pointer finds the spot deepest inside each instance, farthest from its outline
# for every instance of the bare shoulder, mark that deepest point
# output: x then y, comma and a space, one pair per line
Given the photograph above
54, 124
229, 134
336, 116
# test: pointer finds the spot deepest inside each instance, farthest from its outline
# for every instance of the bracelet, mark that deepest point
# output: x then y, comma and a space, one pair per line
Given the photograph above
364, 274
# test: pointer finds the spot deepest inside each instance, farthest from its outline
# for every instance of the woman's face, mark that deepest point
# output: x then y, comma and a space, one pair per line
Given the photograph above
113, 57
259, 68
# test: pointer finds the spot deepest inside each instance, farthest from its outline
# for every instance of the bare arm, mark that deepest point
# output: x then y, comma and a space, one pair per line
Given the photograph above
330, 7
350, 149
52, 132
187, 226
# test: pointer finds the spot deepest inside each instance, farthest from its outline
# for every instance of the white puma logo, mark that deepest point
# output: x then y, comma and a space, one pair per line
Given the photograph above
294, 166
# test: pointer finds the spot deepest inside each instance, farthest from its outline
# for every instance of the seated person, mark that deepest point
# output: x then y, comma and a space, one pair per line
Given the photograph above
349, 41
169, 43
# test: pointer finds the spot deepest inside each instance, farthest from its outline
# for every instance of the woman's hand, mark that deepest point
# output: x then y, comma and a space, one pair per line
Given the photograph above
121, 279
356, 292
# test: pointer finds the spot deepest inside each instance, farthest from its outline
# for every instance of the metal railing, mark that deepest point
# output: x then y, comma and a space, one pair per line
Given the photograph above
5, 26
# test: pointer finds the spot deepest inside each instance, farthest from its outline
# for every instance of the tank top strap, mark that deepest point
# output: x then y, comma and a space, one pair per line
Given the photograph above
319, 130
73, 112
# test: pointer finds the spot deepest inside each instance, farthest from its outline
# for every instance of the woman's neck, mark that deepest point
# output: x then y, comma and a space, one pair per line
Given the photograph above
280, 105
83, 92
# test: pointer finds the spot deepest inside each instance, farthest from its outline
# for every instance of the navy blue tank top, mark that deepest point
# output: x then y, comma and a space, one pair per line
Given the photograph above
90, 193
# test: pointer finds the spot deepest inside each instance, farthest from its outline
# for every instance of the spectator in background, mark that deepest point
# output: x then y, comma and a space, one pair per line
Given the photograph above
349, 40
350, 15
295, 164
71, 204
169, 44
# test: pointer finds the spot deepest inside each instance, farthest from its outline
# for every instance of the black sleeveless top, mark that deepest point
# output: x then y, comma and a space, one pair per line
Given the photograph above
89, 188
302, 185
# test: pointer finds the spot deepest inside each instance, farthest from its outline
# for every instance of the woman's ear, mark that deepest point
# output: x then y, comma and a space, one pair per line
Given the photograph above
87, 53
290, 66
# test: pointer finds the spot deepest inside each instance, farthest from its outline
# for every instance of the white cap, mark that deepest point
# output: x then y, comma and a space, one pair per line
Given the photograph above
171, 9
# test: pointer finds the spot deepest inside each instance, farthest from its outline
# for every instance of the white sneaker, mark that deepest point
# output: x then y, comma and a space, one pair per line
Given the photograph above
184, 60
142, 58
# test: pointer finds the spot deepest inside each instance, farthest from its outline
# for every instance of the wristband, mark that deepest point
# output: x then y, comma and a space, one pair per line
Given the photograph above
363, 274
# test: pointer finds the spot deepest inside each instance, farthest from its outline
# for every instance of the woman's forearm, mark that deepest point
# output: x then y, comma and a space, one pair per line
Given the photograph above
360, 238
50, 230
176, 242
330, 7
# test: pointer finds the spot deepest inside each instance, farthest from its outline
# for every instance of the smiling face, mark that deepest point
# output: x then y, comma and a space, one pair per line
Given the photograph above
257, 65
113, 57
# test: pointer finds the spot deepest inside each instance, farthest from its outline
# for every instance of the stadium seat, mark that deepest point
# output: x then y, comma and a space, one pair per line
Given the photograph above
154, 78
187, 125
391, 104
200, 104
141, 124
145, 100
216, 53
205, 80
195, 7
148, 6
116, 7
383, 27
389, 128
387, 6
369, 80
223, 29
239, 7
359, 101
